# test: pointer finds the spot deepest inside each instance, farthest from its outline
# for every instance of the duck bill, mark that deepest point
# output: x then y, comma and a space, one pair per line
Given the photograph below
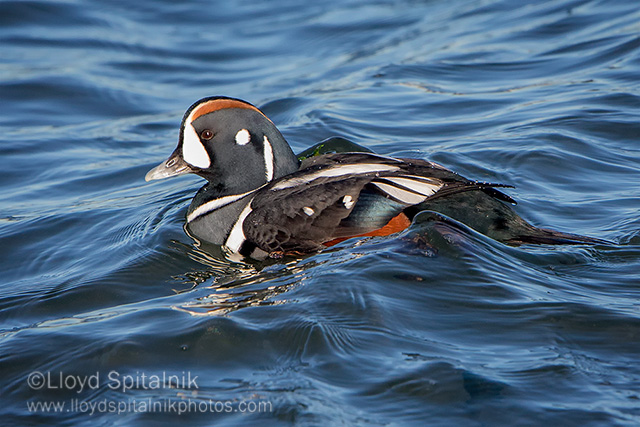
173, 166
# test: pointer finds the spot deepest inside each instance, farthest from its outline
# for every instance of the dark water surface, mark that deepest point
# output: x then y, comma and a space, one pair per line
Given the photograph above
101, 284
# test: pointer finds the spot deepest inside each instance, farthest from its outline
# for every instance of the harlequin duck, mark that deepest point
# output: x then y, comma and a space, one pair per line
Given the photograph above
262, 201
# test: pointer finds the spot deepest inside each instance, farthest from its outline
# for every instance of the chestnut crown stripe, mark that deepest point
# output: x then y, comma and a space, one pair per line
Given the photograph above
219, 104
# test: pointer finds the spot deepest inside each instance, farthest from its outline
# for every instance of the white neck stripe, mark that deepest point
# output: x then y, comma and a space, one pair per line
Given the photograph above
268, 159
214, 204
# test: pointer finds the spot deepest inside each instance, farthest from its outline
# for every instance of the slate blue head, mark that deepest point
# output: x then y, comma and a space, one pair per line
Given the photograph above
231, 144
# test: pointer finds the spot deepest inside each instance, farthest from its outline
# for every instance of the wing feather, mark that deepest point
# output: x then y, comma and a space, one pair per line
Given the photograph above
342, 195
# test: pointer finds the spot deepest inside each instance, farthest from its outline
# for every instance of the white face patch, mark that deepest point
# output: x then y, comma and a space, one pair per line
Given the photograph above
308, 210
268, 159
348, 201
193, 152
243, 137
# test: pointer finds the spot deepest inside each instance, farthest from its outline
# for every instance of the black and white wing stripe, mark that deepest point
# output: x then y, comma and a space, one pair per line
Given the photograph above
408, 189
413, 190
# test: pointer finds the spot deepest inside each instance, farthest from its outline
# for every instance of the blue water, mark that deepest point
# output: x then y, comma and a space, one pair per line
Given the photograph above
100, 283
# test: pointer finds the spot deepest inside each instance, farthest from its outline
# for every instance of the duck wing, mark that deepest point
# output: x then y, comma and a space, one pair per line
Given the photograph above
338, 196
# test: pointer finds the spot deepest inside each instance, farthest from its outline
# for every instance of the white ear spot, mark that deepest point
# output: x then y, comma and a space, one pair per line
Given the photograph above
348, 201
308, 210
193, 152
243, 137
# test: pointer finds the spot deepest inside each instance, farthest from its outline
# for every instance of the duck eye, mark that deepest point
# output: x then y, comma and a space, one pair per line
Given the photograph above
206, 134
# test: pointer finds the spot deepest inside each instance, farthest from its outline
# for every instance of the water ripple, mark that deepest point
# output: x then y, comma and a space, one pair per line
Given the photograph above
438, 324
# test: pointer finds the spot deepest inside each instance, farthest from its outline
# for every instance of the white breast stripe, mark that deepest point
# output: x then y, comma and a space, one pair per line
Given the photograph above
419, 186
236, 236
193, 151
404, 196
358, 169
212, 205
268, 159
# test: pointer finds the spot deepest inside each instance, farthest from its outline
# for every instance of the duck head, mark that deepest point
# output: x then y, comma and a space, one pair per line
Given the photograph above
231, 144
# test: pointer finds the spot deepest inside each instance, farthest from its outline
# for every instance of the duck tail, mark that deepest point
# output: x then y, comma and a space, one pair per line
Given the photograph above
545, 236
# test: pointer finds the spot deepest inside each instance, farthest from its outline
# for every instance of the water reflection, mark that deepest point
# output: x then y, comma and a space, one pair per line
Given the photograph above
230, 285
227, 284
